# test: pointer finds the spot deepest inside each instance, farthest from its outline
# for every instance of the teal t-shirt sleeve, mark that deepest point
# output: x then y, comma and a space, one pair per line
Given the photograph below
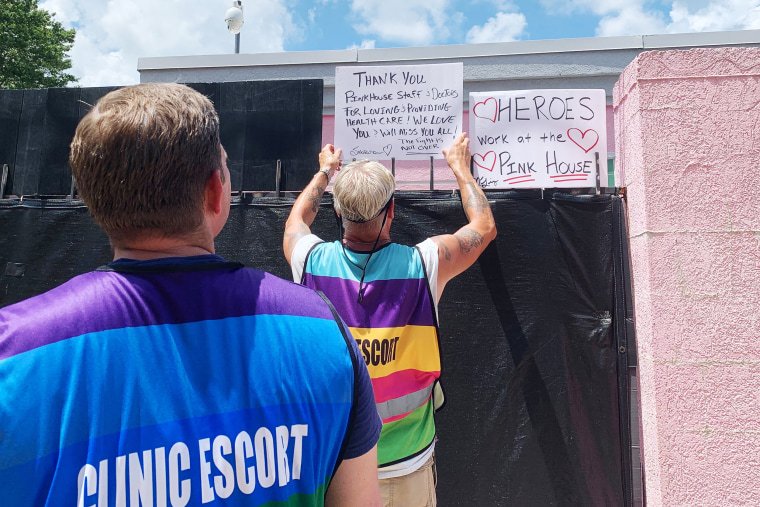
367, 424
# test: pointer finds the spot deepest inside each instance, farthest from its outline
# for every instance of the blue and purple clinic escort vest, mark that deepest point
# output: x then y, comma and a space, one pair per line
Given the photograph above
396, 330
172, 386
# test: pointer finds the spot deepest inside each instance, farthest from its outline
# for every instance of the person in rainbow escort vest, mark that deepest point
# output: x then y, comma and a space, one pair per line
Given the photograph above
388, 296
171, 377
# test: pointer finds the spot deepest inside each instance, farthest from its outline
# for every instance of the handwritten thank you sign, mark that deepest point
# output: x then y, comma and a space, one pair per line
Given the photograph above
407, 112
537, 138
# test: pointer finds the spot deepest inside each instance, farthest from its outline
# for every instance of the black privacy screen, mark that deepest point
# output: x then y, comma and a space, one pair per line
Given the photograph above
261, 122
534, 349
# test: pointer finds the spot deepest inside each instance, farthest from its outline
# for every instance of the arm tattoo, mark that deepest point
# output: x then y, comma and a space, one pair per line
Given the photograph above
468, 239
316, 198
443, 248
294, 236
475, 199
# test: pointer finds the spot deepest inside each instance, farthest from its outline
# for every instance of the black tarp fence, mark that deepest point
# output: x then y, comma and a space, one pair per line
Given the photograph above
534, 336
261, 122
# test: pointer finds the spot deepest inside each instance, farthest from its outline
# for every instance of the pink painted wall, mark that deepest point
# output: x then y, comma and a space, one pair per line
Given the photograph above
688, 151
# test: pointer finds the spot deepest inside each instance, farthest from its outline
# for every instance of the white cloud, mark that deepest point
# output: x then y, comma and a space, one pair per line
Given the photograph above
643, 17
417, 22
113, 34
617, 17
366, 44
631, 20
715, 16
504, 5
753, 18
598, 7
504, 27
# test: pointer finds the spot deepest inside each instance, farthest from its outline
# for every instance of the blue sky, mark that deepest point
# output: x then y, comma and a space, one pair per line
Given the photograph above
113, 34
335, 27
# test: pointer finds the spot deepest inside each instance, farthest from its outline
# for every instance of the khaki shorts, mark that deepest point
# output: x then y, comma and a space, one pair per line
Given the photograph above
414, 490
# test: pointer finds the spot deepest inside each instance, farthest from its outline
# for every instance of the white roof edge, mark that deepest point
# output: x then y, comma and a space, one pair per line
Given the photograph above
702, 39
457, 52
247, 59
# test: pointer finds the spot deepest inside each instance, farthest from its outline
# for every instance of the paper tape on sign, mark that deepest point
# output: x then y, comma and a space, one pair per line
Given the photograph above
537, 138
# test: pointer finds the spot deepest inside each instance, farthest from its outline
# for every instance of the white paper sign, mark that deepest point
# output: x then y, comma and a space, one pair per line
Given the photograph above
407, 112
538, 138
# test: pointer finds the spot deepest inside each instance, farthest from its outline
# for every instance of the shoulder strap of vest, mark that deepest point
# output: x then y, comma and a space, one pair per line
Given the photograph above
437, 404
306, 263
431, 296
355, 365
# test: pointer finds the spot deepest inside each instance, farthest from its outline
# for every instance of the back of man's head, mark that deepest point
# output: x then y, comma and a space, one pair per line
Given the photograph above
362, 189
141, 158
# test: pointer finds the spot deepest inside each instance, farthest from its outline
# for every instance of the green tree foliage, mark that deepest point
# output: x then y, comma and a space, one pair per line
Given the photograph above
33, 47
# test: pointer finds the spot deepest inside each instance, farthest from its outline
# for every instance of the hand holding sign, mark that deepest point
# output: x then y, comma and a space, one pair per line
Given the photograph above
329, 159
458, 154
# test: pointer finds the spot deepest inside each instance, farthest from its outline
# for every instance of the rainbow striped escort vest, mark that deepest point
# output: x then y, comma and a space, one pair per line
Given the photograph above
396, 330
172, 387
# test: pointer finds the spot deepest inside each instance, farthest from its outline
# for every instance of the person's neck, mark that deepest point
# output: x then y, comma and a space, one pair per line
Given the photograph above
157, 248
363, 244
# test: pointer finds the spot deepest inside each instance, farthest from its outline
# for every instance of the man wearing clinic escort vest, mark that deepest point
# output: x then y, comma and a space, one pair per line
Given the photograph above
388, 296
171, 376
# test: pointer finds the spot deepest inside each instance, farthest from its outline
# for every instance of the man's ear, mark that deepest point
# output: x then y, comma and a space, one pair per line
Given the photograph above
390, 208
214, 193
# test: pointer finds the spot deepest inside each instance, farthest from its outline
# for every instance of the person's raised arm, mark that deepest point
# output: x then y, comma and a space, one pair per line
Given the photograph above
355, 483
306, 206
459, 251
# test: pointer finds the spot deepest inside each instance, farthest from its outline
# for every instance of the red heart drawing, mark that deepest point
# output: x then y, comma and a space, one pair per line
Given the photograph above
486, 109
486, 164
580, 138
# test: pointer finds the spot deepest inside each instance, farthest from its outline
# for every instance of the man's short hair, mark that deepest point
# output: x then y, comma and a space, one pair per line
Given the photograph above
362, 189
141, 158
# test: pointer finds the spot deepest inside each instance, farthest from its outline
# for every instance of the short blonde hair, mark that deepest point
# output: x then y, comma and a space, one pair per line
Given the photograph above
141, 158
362, 189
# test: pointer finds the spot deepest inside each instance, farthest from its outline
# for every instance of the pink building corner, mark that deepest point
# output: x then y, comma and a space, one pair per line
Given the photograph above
687, 142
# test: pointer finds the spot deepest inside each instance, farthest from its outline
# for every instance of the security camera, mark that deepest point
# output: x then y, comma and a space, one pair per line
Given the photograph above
234, 17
